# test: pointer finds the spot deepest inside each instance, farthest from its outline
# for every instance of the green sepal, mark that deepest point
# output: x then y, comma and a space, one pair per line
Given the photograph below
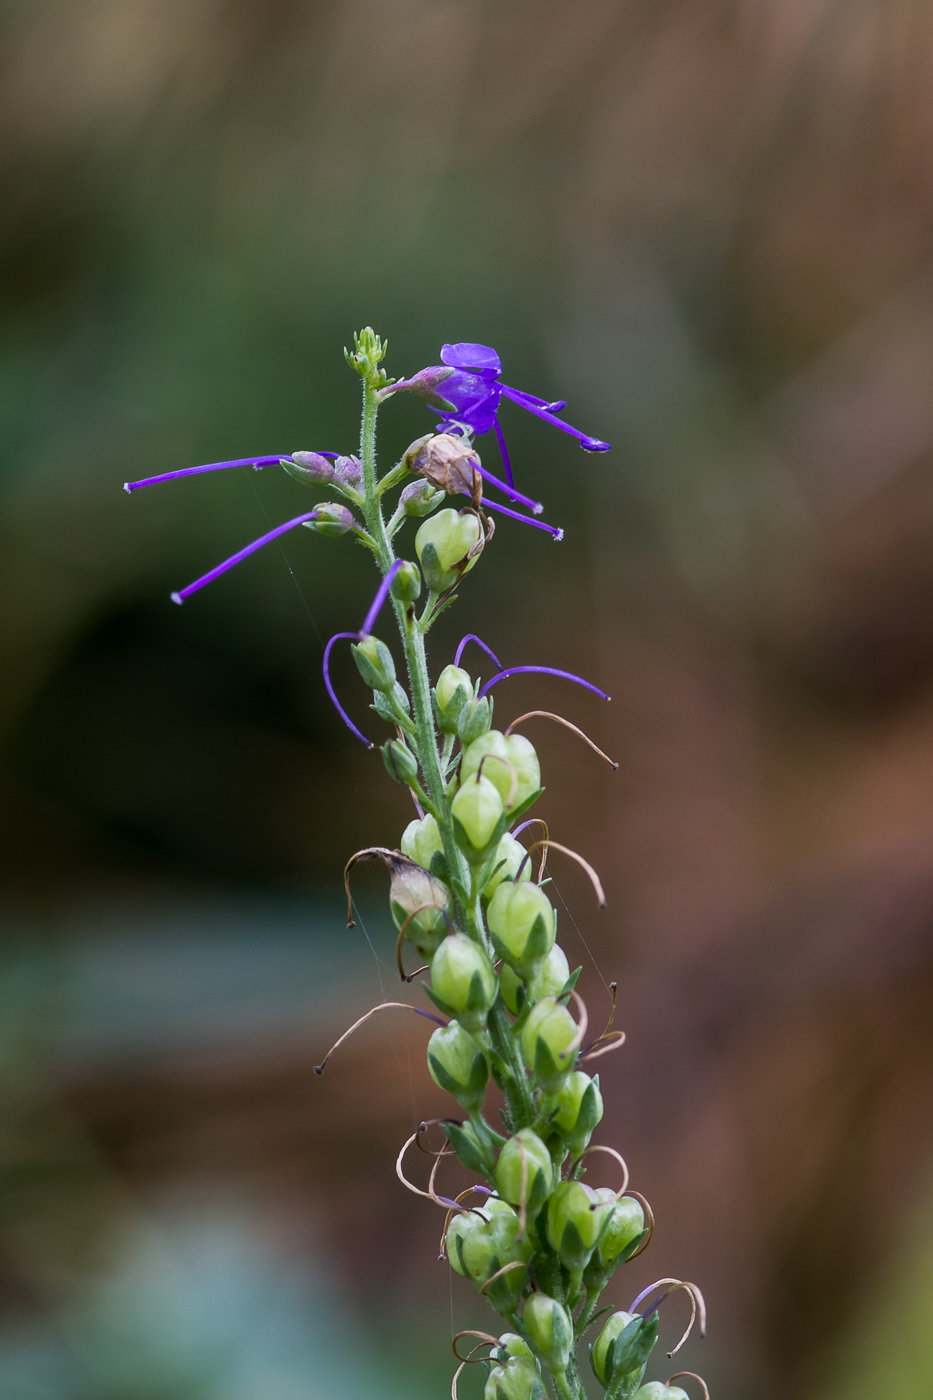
563, 995
520, 808
547, 1070
536, 948
572, 1247
441, 1005
468, 1151
440, 867
476, 996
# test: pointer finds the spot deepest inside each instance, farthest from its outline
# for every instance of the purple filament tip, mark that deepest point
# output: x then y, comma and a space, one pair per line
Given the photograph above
244, 553
472, 637
380, 598
429, 1016
257, 462
552, 530
544, 671
337, 637
589, 443
525, 825
509, 490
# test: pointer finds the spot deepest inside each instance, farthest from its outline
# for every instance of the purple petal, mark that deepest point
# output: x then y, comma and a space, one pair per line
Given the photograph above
380, 598
466, 354
500, 438
472, 637
544, 671
474, 400
589, 444
525, 519
337, 637
241, 554
257, 462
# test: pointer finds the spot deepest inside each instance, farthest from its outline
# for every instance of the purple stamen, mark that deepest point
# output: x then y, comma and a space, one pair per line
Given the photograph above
544, 671
429, 1016
525, 825
589, 444
241, 554
500, 438
526, 519
257, 462
472, 637
534, 506
380, 598
337, 637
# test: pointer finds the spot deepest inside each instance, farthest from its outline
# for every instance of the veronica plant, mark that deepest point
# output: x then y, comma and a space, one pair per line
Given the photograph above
532, 1233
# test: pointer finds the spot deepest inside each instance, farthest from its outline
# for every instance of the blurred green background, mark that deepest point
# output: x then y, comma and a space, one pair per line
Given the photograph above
708, 225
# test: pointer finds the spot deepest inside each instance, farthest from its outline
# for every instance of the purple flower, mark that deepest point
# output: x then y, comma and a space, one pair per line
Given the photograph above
466, 390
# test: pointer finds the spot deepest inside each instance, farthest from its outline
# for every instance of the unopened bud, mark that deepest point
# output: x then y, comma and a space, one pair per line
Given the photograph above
476, 810
549, 1043
475, 719
480, 1243
521, 922
406, 586
516, 1379
420, 498
510, 858
511, 1344
657, 1390
548, 980
414, 889
579, 1109
626, 1224
550, 1327
374, 663
504, 756
421, 839
348, 471
621, 1350
310, 468
575, 1217
400, 762
332, 519
458, 1064
524, 1171
448, 462
463, 981
444, 545
454, 688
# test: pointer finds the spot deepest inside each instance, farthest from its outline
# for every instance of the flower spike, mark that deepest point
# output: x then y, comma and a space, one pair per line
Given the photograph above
544, 671
241, 554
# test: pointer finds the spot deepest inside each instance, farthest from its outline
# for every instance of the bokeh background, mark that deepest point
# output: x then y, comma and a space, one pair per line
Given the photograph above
708, 224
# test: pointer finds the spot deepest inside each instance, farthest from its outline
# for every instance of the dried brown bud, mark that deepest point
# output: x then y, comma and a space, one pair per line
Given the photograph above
449, 463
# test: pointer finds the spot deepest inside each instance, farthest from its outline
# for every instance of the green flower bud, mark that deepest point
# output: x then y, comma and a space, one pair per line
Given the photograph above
480, 1242
458, 1064
387, 704
332, 519
443, 544
548, 980
406, 586
476, 810
521, 922
550, 1327
420, 498
374, 663
525, 1165
400, 762
575, 1217
463, 981
454, 688
620, 1351
605, 1343
549, 1042
503, 756
475, 719
517, 1379
463, 1222
579, 1109
511, 1344
411, 889
421, 839
657, 1390
626, 1223
510, 855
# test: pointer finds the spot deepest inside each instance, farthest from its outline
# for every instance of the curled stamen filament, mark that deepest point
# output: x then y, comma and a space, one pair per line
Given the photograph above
543, 671
556, 846
524, 827
410, 976
548, 714
623, 1189
515, 1264
693, 1376
513, 776
383, 1006
673, 1285
466, 1210
472, 637
441, 1201
649, 1222
584, 1021
606, 1044
484, 1340
394, 860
